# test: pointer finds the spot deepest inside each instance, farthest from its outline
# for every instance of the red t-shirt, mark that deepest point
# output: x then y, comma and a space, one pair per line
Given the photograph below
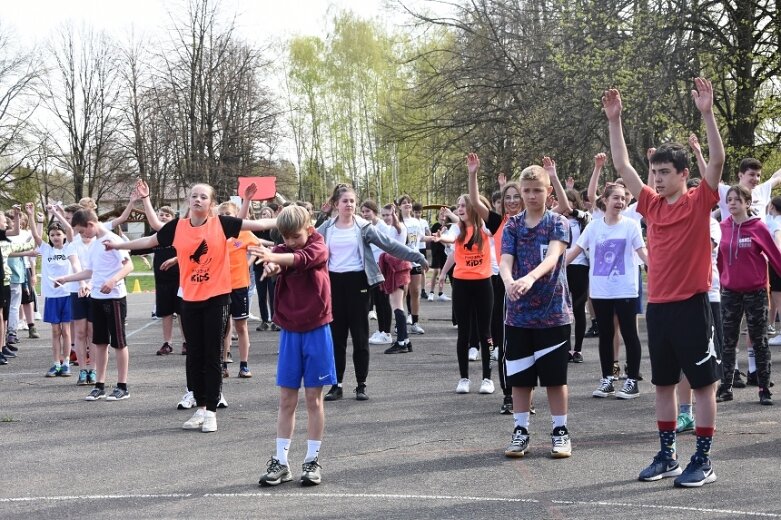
679, 245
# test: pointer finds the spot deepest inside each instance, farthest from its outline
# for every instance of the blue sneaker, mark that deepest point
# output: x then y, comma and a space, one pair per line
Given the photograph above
53, 371
697, 473
661, 467
82, 378
65, 371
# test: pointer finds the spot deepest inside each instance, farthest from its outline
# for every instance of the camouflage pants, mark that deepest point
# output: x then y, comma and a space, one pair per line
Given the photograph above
754, 305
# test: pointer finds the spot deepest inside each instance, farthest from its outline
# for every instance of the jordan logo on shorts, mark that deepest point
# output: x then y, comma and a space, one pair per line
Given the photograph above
711, 351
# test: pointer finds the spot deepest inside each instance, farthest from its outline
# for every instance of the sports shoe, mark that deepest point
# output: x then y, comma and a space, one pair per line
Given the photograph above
495, 354
605, 388
65, 371
577, 357
11, 339
770, 329
310, 475
53, 371
380, 338
222, 403
209, 422
153, 315
473, 353
360, 393
7, 352
409, 319
276, 474
228, 357
92, 377
416, 329
662, 466
187, 402
593, 331
245, 372
463, 386
507, 405
3, 359
22, 326
764, 397
423, 294
519, 443
397, 348
252, 317
431, 296
165, 350
275, 327
775, 341
184, 348
225, 373
196, 421
737, 381
38, 316
118, 394
698, 472
33, 333
561, 448
97, 393
616, 371
263, 326
724, 393
82, 381
487, 386
443, 298
372, 314
629, 390
334, 394
15, 349
685, 423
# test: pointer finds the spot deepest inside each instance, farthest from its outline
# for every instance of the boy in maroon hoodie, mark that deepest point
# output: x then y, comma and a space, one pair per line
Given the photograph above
745, 248
305, 344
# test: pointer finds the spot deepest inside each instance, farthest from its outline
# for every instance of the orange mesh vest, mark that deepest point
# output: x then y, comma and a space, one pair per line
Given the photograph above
204, 268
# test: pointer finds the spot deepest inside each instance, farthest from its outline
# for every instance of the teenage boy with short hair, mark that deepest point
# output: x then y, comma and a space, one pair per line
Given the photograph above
679, 274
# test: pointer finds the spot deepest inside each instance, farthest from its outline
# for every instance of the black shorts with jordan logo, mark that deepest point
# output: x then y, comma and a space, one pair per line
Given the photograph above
536, 354
680, 339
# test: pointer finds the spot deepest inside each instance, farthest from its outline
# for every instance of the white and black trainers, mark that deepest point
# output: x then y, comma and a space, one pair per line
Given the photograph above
605, 388
561, 448
629, 391
519, 444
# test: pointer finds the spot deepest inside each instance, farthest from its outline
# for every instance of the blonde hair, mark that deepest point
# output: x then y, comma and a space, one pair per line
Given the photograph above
228, 205
88, 203
209, 188
168, 210
292, 219
535, 173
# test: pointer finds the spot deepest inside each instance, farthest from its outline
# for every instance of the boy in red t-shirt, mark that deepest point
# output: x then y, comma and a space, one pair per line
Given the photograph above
678, 316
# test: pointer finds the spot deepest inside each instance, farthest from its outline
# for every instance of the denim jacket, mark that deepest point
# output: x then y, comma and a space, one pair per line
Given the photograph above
368, 234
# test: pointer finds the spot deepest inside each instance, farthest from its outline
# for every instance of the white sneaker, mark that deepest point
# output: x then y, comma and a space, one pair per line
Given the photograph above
196, 421
409, 319
222, 403
380, 338
463, 386
187, 402
38, 316
372, 315
416, 329
775, 341
487, 386
431, 296
443, 298
252, 317
495, 354
473, 353
209, 422
22, 325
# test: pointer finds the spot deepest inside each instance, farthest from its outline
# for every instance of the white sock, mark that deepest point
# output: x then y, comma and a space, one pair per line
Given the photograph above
283, 446
312, 450
559, 420
752, 361
522, 419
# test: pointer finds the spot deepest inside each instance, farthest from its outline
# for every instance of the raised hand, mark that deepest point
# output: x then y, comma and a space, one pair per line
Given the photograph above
703, 95
29, 208
650, 153
570, 183
472, 163
502, 180
142, 188
612, 105
250, 191
549, 165
600, 159
694, 143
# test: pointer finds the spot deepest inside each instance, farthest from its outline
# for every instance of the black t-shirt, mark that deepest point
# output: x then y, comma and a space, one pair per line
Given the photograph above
162, 254
3, 236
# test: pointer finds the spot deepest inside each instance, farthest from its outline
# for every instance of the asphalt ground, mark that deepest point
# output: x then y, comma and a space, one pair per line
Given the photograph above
414, 450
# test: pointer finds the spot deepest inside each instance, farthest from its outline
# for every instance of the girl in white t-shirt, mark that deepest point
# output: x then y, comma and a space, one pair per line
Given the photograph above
57, 259
610, 243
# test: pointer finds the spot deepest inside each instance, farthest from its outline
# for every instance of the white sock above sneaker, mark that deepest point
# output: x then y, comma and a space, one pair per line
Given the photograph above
312, 450
559, 420
283, 446
522, 419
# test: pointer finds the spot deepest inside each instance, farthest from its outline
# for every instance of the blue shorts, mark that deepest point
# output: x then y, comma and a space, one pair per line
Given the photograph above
57, 310
308, 356
81, 308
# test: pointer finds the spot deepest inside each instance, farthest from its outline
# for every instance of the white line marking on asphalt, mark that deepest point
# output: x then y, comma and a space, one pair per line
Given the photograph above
390, 496
142, 328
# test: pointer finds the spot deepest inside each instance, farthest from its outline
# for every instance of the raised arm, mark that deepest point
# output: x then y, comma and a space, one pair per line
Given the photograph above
776, 178
563, 206
246, 202
593, 183
703, 99
611, 104
694, 144
151, 215
57, 212
651, 178
128, 209
30, 210
472, 167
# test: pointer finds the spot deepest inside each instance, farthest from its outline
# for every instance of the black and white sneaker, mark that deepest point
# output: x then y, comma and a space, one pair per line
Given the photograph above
97, 393
629, 391
118, 394
561, 448
276, 474
310, 475
519, 444
605, 388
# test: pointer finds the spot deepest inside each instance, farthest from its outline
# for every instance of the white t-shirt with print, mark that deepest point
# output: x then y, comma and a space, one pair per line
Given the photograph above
55, 263
105, 264
416, 230
612, 271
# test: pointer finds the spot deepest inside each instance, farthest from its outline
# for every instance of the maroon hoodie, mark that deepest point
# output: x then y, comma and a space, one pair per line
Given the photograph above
302, 298
744, 251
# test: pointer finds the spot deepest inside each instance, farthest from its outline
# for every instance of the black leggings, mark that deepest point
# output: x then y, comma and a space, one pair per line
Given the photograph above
497, 330
473, 296
577, 279
350, 306
265, 290
204, 325
381, 302
626, 311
